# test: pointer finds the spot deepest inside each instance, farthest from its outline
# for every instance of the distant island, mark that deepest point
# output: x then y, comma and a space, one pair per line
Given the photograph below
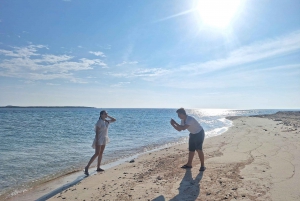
12, 106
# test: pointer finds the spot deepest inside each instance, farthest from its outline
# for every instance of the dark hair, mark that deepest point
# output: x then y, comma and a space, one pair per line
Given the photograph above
181, 111
103, 111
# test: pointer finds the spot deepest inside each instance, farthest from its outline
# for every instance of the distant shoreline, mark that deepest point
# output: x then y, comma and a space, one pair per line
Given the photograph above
11, 106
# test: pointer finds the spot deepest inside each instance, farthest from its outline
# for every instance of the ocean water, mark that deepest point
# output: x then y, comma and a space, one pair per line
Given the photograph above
40, 144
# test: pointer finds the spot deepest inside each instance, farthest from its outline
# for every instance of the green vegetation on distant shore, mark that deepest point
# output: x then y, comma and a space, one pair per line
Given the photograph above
11, 106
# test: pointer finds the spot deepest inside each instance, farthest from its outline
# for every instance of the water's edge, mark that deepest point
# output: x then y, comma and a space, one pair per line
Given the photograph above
51, 184
46, 189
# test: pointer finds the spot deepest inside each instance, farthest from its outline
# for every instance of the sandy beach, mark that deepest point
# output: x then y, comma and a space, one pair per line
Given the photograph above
258, 158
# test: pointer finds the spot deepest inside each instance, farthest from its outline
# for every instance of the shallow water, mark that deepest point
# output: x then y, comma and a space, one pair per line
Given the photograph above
39, 144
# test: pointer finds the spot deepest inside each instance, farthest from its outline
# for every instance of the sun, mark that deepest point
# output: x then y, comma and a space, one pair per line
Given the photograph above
217, 13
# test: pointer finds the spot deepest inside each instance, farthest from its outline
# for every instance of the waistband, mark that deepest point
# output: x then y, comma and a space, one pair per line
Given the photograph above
202, 131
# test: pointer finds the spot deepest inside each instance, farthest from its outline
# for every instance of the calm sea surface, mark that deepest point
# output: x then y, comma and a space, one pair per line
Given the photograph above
39, 144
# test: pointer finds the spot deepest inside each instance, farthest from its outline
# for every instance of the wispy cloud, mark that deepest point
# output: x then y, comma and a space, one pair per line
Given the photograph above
107, 47
120, 84
242, 63
152, 72
23, 51
99, 54
127, 63
248, 54
176, 15
52, 84
276, 68
28, 63
143, 73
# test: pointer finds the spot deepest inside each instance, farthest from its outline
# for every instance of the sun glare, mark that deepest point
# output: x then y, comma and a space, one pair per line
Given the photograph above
217, 13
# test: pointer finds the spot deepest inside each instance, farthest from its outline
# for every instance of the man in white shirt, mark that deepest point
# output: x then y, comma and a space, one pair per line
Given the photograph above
196, 136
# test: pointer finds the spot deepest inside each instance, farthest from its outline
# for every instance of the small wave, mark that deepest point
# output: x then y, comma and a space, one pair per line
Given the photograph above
216, 132
219, 131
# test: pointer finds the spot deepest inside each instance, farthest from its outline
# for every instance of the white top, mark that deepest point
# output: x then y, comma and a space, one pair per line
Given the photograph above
194, 126
103, 125
103, 133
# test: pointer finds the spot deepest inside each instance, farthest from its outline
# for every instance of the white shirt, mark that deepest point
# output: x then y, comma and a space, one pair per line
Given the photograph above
103, 133
103, 125
194, 126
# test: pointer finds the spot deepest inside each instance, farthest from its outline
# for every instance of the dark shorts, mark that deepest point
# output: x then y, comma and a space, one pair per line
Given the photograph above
196, 141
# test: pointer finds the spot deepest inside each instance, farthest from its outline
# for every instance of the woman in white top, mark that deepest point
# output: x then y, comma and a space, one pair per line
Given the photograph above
101, 139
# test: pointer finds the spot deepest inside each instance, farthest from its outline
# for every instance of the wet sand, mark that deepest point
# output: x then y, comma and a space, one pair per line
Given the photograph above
258, 158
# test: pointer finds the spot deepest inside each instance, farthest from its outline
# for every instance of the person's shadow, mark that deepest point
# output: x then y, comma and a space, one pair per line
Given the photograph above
189, 188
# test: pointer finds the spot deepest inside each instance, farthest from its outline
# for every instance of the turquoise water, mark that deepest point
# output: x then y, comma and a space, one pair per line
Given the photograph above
39, 144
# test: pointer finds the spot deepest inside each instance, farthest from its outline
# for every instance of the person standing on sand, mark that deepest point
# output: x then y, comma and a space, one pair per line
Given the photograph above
101, 139
196, 136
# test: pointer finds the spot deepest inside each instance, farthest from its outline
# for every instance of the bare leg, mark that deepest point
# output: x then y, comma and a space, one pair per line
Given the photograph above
201, 157
97, 150
190, 160
102, 147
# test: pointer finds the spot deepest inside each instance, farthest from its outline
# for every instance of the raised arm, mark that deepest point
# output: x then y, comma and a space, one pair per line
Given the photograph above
111, 119
177, 126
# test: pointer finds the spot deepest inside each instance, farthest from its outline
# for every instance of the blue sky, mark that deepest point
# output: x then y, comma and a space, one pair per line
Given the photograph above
150, 54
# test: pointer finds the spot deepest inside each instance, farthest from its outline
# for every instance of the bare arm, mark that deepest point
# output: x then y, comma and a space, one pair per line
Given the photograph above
177, 126
174, 126
111, 119
97, 132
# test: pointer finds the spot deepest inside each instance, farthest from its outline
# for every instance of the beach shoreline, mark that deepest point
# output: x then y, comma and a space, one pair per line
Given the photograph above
151, 177
45, 187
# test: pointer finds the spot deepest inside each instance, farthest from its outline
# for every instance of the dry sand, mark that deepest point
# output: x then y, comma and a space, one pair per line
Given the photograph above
258, 158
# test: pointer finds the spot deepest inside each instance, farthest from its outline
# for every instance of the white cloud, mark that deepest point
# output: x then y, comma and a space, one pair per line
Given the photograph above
152, 72
127, 63
176, 15
99, 54
120, 84
54, 58
235, 60
23, 52
9, 53
241, 62
252, 53
27, 62
143, 73
276, 68
107, 47
52, 84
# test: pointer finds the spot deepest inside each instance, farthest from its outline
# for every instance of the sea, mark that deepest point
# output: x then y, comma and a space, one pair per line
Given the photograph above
41, 144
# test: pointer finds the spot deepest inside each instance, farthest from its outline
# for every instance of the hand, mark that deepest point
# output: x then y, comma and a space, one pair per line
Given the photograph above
172, 121
111, 119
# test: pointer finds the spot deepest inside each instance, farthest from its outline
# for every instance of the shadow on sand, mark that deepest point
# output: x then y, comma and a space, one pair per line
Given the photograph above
60, 189
189, 188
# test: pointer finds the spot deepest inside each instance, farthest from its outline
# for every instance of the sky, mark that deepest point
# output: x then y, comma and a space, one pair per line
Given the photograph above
229, 54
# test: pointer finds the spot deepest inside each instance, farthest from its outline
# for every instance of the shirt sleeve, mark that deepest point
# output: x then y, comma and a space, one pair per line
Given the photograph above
189, 121
98, 124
